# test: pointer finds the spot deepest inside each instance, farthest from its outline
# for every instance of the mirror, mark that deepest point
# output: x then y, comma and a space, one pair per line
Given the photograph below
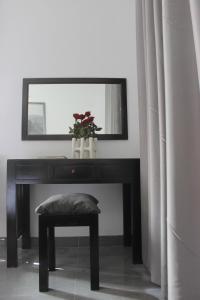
49, 104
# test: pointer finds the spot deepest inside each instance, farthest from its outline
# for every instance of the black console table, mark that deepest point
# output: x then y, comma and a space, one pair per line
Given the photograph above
21, 173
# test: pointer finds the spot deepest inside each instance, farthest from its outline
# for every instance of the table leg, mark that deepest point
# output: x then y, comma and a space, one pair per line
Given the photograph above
127, 214
26, 240
136, 221
11, 220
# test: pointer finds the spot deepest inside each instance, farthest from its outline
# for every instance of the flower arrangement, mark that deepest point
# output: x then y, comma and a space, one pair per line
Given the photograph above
84, 126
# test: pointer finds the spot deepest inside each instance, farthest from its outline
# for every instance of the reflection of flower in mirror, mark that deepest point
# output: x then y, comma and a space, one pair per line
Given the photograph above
84, 126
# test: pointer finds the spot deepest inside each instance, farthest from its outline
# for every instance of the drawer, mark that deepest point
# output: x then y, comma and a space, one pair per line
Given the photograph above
30, 171
73, 171
116, 171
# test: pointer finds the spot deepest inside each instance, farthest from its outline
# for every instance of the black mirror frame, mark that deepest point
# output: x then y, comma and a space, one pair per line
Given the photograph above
27, 81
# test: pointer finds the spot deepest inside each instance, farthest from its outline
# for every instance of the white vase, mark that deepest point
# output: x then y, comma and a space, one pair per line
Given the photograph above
84, 148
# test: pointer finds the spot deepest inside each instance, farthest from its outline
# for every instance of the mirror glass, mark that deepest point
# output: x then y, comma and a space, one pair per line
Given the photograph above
48, 107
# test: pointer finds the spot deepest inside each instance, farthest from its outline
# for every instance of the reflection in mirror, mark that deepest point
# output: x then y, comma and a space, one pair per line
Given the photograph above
36, 118
61, 101
49, 105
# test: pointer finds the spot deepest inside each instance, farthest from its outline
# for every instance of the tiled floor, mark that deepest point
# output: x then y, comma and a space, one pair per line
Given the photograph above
119, 279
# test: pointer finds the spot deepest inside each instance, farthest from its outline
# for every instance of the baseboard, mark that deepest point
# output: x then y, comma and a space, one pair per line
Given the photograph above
81, 241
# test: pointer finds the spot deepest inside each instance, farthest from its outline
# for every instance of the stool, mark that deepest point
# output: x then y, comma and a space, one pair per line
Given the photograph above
67, 210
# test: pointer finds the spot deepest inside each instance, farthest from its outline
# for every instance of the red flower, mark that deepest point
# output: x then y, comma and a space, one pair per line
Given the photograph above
76, 116
85, 127
90, 119
81, 117
86, 121
87, 113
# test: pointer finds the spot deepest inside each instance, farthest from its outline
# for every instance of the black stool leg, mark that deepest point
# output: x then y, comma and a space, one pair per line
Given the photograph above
43, 256
52, 258
94, 253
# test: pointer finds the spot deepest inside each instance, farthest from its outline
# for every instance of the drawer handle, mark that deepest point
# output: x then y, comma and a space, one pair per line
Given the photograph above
73, 171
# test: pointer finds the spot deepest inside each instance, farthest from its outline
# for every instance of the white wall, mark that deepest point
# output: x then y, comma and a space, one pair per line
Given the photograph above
65, 38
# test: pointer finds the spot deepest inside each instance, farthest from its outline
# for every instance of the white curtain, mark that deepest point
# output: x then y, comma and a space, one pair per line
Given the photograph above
168, 44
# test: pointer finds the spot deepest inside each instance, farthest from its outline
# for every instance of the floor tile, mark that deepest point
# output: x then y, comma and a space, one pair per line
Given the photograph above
119, 278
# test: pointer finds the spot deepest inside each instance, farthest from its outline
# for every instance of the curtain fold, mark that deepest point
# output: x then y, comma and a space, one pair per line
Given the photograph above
153, 143
149, 58
195, 16
141, 71
169, 87
113, 122
183, 144
162, 138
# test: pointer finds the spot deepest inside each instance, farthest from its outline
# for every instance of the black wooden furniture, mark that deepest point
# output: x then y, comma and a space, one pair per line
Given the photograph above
47, 224
21, 173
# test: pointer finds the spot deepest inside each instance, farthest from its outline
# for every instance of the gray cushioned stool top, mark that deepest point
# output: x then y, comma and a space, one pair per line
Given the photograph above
72, 204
